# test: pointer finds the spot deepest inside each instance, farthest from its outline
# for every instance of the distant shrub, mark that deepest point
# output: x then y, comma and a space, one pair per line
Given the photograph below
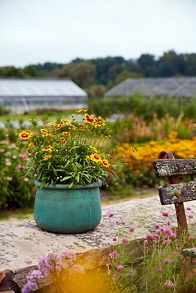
138, 130
3, 110
145, 107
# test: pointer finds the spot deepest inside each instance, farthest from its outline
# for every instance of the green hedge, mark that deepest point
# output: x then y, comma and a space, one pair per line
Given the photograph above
145, 107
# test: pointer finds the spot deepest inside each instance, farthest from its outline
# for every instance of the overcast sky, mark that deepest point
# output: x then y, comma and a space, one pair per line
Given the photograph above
33, 31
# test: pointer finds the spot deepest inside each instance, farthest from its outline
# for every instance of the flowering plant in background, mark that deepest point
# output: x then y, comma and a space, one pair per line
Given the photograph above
153, 264
14, 192
73, 152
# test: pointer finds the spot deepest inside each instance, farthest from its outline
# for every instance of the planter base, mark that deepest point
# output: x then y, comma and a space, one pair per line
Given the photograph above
60, 209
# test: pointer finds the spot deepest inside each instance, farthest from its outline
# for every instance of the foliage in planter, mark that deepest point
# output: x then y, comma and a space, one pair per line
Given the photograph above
69, 152
16, 189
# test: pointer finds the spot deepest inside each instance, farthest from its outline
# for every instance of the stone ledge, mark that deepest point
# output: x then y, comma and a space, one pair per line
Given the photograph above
22, 243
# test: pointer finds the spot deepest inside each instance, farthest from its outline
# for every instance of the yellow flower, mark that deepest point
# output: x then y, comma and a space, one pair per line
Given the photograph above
30, 146
63, 140
47, 149
89, 118
49, 122
47, 157
82, 126
94, 157
57, 127
64, 121
99, 121
65, 133
25, 134
81, 111
44, 132
72, 127
93, 149
105, 163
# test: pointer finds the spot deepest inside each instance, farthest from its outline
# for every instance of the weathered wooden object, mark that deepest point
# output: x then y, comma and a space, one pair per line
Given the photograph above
7, 285
175, 192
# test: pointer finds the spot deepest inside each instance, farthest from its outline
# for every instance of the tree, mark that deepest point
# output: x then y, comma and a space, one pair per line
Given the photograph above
147, 64
82, 73
126, 74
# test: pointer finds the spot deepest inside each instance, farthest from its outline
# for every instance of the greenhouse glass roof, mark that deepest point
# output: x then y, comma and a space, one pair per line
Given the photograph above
40, 87
175, 86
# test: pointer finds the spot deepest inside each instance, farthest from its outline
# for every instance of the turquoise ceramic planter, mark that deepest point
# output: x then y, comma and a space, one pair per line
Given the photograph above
62, 209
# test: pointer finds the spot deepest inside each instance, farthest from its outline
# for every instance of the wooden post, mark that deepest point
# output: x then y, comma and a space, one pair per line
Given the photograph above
179, 207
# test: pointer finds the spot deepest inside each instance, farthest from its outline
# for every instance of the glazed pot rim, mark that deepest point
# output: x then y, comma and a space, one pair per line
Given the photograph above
66, 186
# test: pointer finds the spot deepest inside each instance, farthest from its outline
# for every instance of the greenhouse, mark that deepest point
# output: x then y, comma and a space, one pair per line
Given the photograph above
173, 86
22, 95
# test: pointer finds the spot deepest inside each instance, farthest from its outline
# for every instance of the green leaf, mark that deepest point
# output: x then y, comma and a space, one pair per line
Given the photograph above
66, 178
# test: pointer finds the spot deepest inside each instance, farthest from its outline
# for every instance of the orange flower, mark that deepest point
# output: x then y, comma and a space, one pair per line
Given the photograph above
82, 126
99, 121
57, 127
72, 127
81, 111
65, 121
47, 157
105, 163
47, 149
93, 149
25, 134
94, 157
89, 118
65, 133
30, 146
49, 122
44, 132
63, 140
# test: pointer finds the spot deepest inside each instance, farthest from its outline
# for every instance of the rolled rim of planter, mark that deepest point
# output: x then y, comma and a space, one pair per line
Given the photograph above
66, 186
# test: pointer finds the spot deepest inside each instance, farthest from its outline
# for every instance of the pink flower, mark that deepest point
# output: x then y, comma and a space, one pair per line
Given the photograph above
125, 240
120, 268
191, 238
167, 231
114, 239
110, 215
157, 226
189, 208
113, 254
169, 284
166, 261
159, 269
152, 236
166, 241
190, 216
131, 229
120, 222
165, 213
173, 235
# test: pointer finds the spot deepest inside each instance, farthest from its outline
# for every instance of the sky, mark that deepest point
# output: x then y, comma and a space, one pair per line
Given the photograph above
38, 31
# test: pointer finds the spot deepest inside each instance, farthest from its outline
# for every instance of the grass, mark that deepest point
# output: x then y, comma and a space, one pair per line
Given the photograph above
39, 115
